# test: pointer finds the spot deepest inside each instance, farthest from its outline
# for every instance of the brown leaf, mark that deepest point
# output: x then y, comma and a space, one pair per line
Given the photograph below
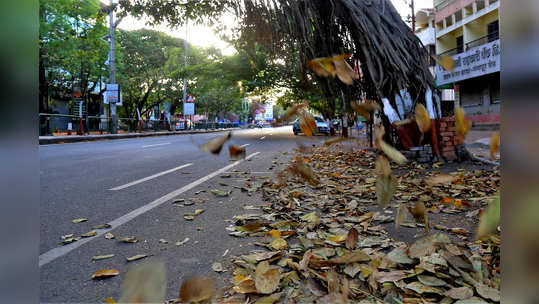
461, 293
440, 179
300, 168
400, 218
365, 109
236, 152
127, 239
196, 289
494, 144
419, 212
351, 238
355, 256
247, 285
101, 257
345, 72
266, 278
335, 140
422, 118
304, 263
215, 145
392, 276
322, 66
382, 166
89, 234
289, 113
385, 188
145, 283
106, 273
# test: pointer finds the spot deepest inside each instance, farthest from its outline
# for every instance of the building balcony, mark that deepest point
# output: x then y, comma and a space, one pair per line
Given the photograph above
477, 58
465, 20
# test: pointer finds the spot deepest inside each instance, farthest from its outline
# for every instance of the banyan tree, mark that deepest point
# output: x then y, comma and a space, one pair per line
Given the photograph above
392, 58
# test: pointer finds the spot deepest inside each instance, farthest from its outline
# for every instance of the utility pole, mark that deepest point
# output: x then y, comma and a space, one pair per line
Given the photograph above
413, 16
112, 77
185, 64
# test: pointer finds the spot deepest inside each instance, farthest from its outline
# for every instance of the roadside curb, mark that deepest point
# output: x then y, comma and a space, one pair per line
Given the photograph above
46, 140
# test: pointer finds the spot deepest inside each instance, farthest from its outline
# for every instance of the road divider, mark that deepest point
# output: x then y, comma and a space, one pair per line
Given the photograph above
57, 252
149, 177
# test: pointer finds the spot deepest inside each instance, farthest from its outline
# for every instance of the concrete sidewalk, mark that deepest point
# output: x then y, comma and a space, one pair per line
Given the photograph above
45, 140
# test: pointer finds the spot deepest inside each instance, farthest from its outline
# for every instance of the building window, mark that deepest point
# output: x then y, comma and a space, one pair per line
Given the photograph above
460, 44
493, 31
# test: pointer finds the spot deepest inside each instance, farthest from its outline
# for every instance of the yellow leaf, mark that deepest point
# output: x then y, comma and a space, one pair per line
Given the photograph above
322, 66
274, 233
463, 125
338, 238
446, 62
494, 144
245, 286
279, 244
266, 278
392, 153
422, 118
89, 234
110, 300
106, 273
365, 109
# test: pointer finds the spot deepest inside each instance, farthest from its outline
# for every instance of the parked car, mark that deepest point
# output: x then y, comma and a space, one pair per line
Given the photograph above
321, 126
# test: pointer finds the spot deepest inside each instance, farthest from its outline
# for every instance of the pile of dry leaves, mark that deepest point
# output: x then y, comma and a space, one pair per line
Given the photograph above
325, 244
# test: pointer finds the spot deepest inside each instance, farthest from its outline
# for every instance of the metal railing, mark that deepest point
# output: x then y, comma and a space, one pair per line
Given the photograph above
472, 44
58, 124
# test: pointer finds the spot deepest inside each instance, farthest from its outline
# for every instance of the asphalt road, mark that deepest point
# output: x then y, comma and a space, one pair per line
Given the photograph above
78, 181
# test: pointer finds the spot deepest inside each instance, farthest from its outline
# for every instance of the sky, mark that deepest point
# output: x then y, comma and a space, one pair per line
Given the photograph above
205, 37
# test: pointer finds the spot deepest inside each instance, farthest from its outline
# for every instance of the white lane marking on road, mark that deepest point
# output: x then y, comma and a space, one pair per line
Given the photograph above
147, 146
57, 252
243, 146
149, 177
262, 137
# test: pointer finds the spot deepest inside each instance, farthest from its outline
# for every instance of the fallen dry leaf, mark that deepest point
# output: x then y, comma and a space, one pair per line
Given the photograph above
106, 273
182, 242
220, 193
136, 257
279, 244
266, 278
109, 235
351, 238
440, 179
101, 257
102, 226
79, 220
89, 234
385, 188
127, 239
215, 145
461, 293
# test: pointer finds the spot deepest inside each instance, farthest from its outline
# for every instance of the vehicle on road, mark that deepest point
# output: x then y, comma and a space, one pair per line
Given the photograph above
321, 126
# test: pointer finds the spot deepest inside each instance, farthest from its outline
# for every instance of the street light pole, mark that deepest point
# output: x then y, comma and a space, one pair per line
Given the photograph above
112, 77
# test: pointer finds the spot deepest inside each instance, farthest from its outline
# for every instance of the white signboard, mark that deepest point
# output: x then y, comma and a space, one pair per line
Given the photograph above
268, 115
475, 62
188, 108
111, 95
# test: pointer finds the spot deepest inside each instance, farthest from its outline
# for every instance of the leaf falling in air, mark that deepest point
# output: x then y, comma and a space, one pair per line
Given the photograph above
79, 220
106, 273
382, 166
236, 152
300, 168
136, 257
351, 238
422, 118
335, 140
462, 124
102, 257
494, 144
345, 72
145, 283
400, 218
196, 289
322, 66
289, 113
266, 278
446, 62
365, 109
385, 188
489, 220
215, 145
392, 153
